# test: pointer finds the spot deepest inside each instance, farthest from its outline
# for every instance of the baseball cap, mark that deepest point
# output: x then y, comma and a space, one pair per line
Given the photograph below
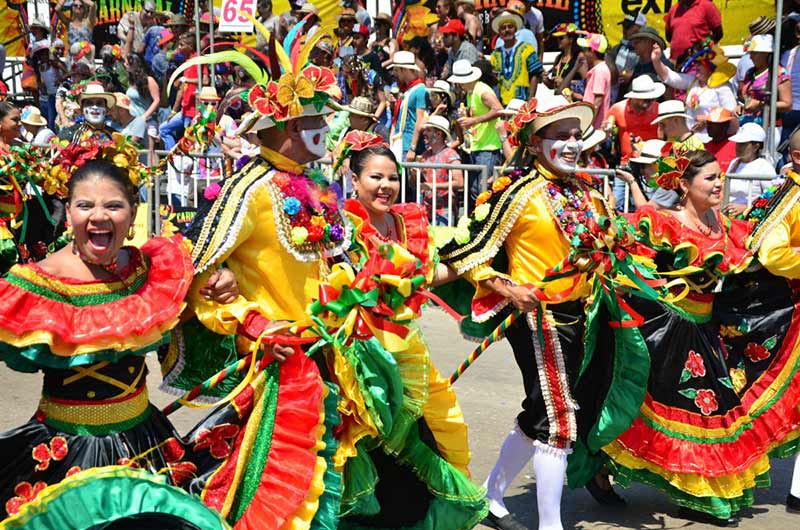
454, 25
594, 41
634, 19
749, 132
361, 29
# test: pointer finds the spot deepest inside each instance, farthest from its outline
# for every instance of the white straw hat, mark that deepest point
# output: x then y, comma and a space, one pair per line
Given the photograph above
670, 109
557, 108
592, 137
464, 72
404, 59
438, 122
651, 151
643, 87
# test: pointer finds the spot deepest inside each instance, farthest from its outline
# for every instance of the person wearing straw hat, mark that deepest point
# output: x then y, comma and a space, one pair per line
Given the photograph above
480, 120
644, 164
633, 116
671, 122
760, 26
95, 103
721, 125
444, 184
516, 63
754, 90
409, 111
36, 131
517, 216
706, 88
122, 120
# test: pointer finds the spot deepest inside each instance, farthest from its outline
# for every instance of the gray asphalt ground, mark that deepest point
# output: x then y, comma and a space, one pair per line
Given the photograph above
490, 393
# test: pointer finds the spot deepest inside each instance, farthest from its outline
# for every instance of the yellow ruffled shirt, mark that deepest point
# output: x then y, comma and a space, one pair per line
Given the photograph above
779, 251
271, 280
534, 245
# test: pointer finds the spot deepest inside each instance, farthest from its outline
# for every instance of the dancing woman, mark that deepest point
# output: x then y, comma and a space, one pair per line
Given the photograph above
86, 316
403, 442
703, 431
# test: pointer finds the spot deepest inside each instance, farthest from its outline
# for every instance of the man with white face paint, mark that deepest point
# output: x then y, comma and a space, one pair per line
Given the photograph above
272, 223
530, 218
95, 105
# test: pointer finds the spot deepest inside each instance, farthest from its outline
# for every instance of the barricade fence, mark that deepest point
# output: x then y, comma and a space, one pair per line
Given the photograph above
176, 192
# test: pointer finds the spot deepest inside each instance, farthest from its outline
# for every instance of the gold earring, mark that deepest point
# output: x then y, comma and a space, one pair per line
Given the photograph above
131, 232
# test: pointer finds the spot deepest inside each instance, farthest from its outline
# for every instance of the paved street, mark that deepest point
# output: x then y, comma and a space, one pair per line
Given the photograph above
490, 393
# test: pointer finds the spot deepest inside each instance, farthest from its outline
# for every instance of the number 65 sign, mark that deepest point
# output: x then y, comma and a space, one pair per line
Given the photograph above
232, 20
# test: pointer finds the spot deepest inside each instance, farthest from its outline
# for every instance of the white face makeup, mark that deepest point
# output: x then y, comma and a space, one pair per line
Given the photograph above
314, 140
563, 154
95, 114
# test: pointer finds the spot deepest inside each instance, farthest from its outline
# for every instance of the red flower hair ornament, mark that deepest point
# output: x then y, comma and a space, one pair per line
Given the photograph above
670, 168
356, 141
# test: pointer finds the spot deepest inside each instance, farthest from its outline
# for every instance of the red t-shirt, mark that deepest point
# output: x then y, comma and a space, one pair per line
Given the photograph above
690, 22
633, 124
188, 101
725, 151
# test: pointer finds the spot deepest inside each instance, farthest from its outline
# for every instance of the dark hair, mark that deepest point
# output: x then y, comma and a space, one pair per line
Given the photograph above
358, 160
138, 73
488, 73
5, 108
697, 160
106, 170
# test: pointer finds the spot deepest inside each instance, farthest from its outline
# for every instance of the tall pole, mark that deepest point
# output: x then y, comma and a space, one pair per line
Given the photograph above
197, 38
211, 37
773, 93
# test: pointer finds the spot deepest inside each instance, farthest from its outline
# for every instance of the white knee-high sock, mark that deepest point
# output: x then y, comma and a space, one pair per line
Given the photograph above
550, 468
795, 488
516, 451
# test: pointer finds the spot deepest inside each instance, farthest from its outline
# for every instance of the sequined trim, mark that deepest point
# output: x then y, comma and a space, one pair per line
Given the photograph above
93, 414
781, 209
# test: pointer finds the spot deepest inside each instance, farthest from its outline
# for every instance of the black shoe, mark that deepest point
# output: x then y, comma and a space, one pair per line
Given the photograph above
792, 504
707, 518
605, 497
507, 522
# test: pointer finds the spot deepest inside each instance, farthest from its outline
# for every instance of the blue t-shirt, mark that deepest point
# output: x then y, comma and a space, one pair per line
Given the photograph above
417, 99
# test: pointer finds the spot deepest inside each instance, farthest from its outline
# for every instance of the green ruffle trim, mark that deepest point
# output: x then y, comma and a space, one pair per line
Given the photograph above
79, 300
716, 506
82, 502
625, 395
786, 450
201, 353
378, 379
327, 516
33, 358
457, 503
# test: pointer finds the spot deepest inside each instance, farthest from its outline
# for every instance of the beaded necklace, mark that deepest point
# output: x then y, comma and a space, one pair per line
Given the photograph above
571, 204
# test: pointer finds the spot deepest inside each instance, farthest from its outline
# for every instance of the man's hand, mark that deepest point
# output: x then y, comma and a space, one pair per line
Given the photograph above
522, 297
221, 287
625, 177
279, 351
466, 122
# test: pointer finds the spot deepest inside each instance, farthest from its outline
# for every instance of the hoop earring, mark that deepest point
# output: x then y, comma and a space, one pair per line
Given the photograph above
131, 232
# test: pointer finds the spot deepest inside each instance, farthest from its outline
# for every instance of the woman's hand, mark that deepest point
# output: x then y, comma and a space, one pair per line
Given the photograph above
221, 287
732, 210
656, 53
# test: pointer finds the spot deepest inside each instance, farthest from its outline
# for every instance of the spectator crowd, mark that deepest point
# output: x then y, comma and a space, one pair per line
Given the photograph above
440, 90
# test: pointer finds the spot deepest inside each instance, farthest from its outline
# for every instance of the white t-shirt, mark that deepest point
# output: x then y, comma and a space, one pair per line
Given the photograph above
744, 191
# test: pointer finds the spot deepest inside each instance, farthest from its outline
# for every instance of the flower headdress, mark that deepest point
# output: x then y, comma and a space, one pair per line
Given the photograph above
69, 159
713, 57
85, 50
669, 168
291, 88
356, 141
526, 114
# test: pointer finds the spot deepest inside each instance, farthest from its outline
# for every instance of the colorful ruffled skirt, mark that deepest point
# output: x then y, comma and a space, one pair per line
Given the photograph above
403, 441
717, 402
258, 461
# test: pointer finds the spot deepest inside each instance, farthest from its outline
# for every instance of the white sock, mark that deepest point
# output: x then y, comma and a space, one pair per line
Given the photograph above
550, 468
795, 488
516, 451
